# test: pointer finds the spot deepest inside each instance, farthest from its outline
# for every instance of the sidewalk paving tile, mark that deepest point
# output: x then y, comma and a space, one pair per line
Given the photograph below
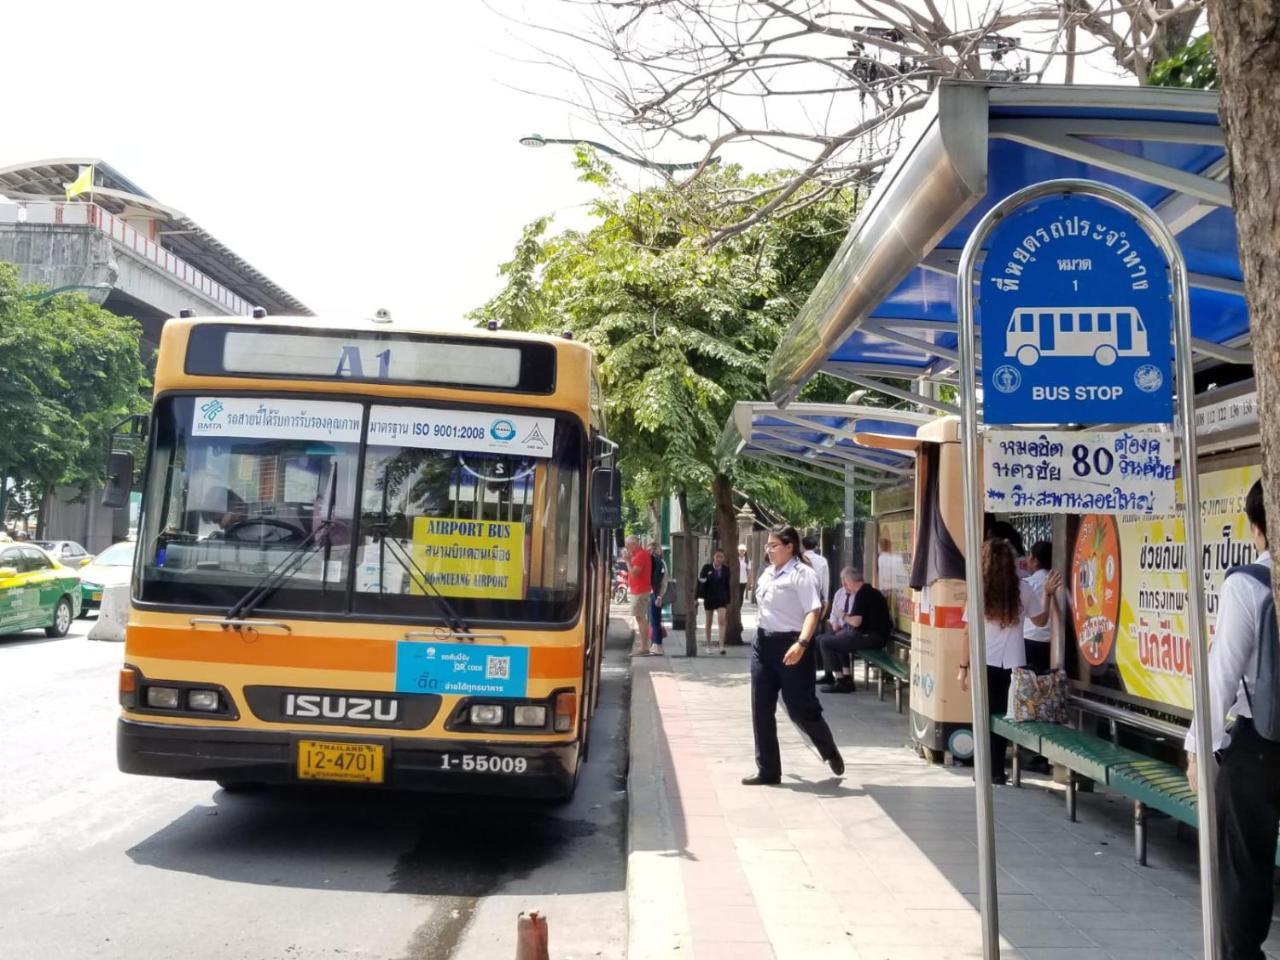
882, 864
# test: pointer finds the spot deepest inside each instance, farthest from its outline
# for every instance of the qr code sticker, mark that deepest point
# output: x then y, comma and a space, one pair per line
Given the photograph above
497, 668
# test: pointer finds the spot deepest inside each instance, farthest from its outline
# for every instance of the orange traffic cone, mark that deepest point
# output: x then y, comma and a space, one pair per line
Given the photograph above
531, 937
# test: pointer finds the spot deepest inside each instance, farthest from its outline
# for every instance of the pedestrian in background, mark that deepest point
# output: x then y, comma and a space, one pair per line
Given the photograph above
713, 587
782, 658
1040, 565
821, 568
658, 583
1248, 779
744, 573
1007, 600
640, 586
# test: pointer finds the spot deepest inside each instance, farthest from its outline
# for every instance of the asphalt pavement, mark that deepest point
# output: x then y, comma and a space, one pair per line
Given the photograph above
98, 864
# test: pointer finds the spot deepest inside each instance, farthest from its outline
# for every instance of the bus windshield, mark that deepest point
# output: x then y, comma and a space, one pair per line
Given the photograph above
237, 484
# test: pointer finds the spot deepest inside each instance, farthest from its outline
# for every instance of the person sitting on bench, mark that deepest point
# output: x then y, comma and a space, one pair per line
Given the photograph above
860, 617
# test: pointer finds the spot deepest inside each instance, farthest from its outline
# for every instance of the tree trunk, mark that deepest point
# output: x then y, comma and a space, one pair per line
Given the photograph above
727, 527
4, 502
42, 517
689, 582
1248, 51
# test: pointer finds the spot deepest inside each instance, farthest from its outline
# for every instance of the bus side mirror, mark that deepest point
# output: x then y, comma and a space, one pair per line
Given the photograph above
606, 499
119, 480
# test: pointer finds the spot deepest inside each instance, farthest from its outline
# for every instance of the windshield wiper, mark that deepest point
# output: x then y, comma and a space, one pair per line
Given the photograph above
416, 574
290, 564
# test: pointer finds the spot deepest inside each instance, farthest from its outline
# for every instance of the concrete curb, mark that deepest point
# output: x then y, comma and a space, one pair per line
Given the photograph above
657, 918
112, 614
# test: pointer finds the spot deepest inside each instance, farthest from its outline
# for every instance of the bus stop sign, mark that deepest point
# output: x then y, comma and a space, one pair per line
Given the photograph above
1076, 315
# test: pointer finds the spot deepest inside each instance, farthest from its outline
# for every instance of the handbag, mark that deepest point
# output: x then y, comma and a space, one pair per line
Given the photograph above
1042, 699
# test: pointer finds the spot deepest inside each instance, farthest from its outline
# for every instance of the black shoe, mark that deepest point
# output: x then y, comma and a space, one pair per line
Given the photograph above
761, 781
827, 679
836, 763
843, 685
999, 779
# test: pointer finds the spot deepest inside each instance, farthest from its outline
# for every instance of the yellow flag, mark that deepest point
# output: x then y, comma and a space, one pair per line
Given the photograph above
82, 183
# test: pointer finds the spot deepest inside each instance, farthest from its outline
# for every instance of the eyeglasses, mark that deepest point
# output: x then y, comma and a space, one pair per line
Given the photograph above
772, 546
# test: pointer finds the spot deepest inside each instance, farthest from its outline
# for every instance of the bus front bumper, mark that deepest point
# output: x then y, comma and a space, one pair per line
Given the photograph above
231, 755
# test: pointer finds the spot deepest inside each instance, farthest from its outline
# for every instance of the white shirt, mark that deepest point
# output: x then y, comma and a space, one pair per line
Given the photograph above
1233, 655
842, 600
822, 569
785, 597
1005, 648
1029, 629
744, 569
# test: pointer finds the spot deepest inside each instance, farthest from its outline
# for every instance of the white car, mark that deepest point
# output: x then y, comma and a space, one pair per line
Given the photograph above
112, 566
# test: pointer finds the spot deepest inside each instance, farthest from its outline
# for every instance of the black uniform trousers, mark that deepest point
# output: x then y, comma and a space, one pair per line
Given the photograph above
1248, 792
769, 677
839, 646
998, 680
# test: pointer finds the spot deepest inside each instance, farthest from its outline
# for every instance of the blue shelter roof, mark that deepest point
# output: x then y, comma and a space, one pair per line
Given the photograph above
885, 308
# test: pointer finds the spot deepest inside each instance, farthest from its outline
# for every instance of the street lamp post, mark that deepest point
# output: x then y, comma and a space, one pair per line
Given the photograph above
102, 288
537, 140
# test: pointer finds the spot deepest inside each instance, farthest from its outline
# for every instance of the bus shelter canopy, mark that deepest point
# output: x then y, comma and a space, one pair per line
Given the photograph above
822, 441
885, 309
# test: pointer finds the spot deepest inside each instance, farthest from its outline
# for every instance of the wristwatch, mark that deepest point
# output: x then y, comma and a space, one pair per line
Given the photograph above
804, 643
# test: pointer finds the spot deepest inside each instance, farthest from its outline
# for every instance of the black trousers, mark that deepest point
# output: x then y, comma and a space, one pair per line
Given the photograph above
998, 679
838, 647
1037, 655
1248, 791
769, 677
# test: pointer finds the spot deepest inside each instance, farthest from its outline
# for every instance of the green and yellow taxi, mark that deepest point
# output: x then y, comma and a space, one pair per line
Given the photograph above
36, 591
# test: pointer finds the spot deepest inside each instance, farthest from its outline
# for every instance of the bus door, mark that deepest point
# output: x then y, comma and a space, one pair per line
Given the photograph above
1124, 330
1048, 332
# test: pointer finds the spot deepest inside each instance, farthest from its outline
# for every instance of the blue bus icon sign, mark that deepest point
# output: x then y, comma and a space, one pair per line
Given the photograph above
1076, 317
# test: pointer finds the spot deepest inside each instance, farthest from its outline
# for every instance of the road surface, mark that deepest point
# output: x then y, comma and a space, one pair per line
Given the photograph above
97, 864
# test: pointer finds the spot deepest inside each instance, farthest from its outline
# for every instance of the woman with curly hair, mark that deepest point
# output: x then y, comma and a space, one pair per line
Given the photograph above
1006, 601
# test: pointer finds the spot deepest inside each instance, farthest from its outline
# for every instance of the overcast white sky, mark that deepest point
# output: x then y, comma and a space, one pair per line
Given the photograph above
361, 155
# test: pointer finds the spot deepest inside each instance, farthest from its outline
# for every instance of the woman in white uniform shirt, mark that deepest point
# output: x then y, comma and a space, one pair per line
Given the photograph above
782, 658
1006, 601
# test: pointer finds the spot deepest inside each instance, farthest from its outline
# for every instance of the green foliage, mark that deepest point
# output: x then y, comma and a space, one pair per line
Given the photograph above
1195, 65
681, 329
68, 371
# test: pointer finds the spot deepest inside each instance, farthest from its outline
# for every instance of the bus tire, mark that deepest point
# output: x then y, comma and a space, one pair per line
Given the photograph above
1028, 355
1105, 355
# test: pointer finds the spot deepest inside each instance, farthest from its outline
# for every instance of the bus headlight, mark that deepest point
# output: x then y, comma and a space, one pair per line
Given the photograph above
486, 714
162, 698
204, 700
529, 716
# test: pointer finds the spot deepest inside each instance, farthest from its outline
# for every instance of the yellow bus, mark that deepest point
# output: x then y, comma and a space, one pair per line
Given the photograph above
368, 553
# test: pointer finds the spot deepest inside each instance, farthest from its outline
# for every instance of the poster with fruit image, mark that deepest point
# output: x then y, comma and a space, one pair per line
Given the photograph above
1147, 651
1095, 588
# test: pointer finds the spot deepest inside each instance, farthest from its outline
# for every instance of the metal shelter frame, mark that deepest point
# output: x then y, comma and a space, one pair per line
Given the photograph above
819, 441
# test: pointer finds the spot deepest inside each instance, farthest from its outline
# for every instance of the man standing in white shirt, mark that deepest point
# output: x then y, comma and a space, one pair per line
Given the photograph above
1248, 779
823, 570
1037, 636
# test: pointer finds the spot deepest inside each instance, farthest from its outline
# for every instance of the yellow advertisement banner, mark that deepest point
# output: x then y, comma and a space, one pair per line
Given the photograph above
470, 558
893, 568
1129, 586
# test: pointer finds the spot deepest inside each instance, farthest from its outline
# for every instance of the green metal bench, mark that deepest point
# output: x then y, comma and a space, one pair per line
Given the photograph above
885, 663
1160, 786
1151, 784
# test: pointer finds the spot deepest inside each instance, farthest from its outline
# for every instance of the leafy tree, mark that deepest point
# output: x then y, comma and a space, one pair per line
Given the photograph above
1195, 65
681, 330
68, 371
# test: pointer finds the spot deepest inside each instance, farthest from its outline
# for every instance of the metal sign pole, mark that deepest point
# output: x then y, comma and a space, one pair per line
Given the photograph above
1156, 229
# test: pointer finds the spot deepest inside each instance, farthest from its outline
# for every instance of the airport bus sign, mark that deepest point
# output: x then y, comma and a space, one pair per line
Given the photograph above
1076, 317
